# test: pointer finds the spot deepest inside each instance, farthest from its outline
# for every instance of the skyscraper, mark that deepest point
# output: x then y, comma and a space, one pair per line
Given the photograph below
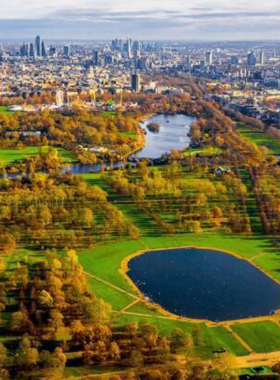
66, 51
135, 82
44, 50
22, 50
32, 51
52, 51
262, 58
129, 48
38, 46
96, 59
234, 60
27, 50
209, 58
251, 59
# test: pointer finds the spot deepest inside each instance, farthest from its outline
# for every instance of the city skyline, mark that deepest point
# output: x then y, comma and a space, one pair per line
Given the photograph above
197, 20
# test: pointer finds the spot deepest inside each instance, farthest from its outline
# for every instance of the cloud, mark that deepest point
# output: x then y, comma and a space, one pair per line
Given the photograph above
148, 19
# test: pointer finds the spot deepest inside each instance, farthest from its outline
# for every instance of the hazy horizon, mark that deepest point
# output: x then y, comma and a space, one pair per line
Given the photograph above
200, 20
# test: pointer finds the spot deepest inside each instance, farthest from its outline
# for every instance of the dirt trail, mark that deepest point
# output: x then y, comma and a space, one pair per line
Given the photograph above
111, 285
240, 340
255, 360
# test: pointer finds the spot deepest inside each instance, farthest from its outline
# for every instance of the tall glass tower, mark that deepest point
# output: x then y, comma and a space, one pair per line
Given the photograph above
38, 46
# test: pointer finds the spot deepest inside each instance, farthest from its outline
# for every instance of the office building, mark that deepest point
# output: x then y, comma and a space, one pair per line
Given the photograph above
129, 48
251, 59
262, 58
135, 82
66, 51
38, 46
209, 58
96, 58
43, 49
32, 51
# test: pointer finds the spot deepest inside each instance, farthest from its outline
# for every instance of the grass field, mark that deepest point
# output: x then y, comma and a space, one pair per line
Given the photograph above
210, 151
213, 338
131, 135
261, 336
260, 138
10, 156
5, 110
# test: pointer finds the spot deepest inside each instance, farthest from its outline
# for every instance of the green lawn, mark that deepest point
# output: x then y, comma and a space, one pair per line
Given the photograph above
111, 114
213, 338
209, 151
10, 156
216, 338
131, 135
115, 298
260, 138
260, 336
270, 263
5, 110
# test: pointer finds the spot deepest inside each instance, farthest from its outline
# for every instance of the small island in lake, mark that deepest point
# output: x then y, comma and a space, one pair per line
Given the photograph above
153, 127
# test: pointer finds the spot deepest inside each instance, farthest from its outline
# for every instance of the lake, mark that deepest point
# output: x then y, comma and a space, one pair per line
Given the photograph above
204, 284
173, 134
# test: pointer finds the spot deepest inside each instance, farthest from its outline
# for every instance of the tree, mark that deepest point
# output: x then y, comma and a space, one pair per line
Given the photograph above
136, 359
114, 351
73, 258
225, 365
180, 340
197, 335
149, 333
76, 328
7, 241
26, 355
19, 322
101, 310
56, 319
45, 299
3, 355
58, 353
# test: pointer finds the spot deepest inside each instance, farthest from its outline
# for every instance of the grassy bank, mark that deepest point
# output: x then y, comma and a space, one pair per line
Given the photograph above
10, 156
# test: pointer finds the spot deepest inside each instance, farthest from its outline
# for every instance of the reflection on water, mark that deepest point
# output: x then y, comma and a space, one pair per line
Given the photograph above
90, 168
204, 284
173, 134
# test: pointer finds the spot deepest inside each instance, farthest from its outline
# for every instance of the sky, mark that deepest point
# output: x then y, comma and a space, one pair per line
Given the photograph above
192, 20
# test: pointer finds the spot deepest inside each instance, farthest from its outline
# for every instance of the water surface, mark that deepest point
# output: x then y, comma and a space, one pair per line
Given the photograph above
173, 134
204, 284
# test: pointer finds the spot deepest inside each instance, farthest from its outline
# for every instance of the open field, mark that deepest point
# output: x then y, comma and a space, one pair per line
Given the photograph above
5, 110
260, 138
131, 135
207, 152
261, 336
10, 156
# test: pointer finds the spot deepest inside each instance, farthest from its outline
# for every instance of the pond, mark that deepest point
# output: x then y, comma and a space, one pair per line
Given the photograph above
173, 134
204, 284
